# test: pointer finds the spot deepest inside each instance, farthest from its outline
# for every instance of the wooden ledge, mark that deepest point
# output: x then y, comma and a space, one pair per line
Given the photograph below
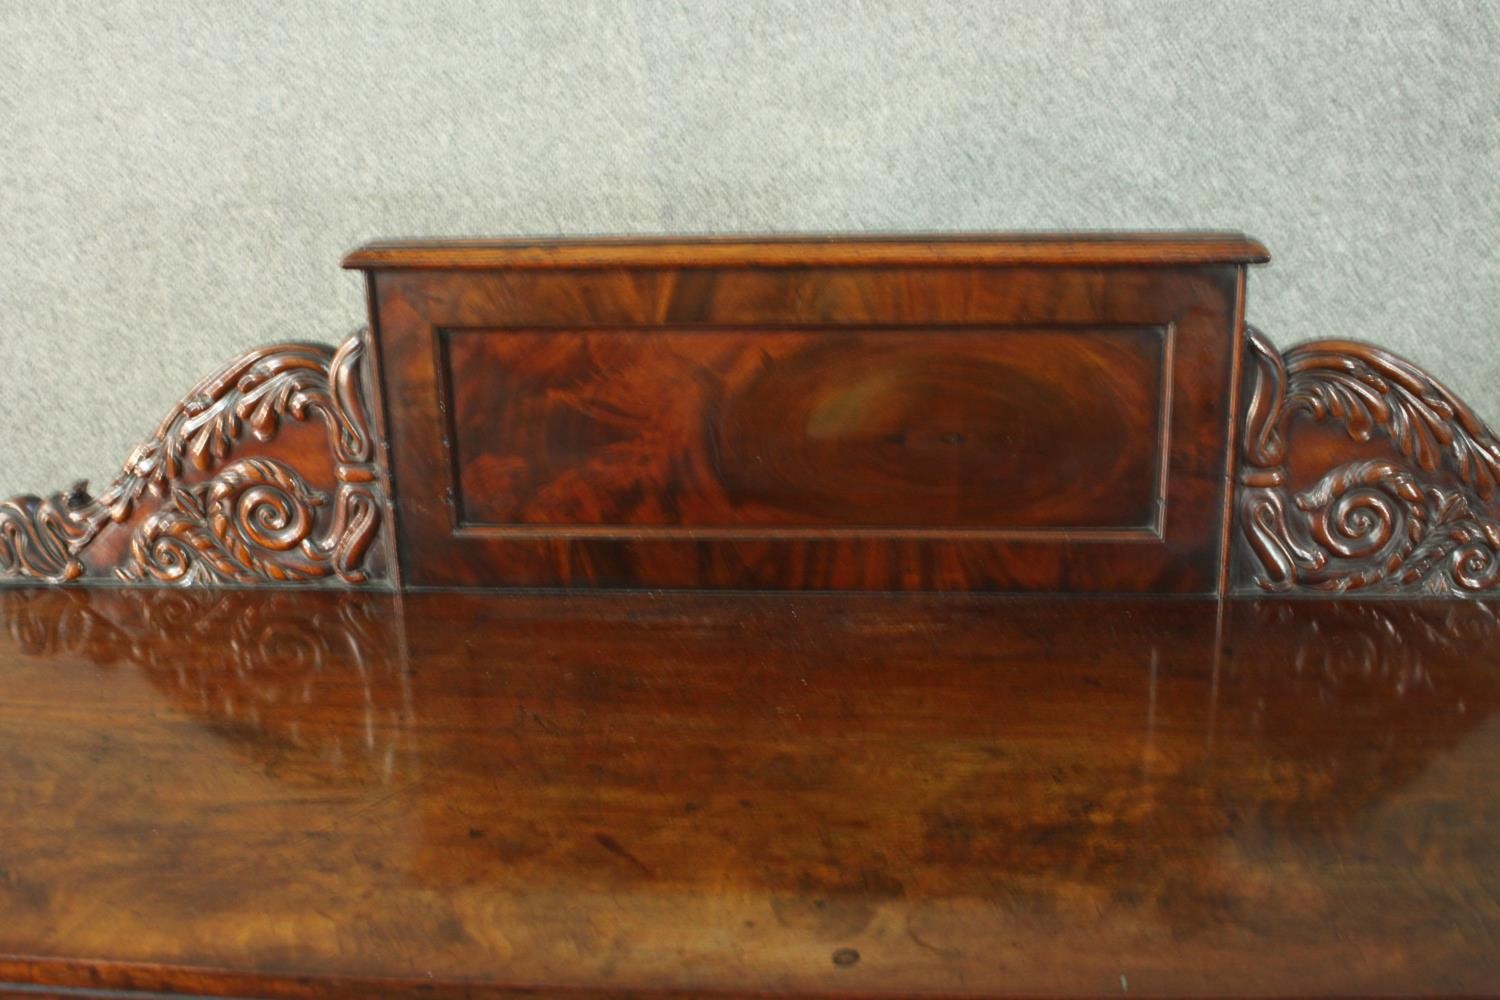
971, 250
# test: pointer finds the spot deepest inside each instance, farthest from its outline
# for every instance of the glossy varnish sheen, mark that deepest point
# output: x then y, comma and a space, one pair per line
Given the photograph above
292, 794
1098, 249
1036, 415
930, 430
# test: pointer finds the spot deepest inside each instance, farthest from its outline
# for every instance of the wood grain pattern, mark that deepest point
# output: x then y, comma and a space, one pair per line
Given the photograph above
266, 473
968, 250
914, 429
580, 399
1361, 472
338, 793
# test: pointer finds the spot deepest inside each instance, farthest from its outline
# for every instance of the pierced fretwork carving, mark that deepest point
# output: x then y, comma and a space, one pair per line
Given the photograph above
1403, 501
264, 473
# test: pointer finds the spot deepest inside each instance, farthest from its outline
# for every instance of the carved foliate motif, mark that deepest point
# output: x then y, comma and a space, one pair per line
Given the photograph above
1422, 521
199, 513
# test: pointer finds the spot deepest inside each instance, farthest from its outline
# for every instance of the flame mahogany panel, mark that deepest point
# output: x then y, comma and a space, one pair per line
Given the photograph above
661, 423
797, 429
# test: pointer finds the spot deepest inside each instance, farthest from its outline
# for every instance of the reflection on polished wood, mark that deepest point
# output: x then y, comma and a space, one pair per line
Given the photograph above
287, 794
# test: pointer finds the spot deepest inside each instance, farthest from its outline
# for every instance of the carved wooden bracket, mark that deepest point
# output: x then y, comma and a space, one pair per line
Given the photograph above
265, 473
1361, 472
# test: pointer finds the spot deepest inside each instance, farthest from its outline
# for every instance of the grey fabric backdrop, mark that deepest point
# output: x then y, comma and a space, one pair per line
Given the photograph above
178, 181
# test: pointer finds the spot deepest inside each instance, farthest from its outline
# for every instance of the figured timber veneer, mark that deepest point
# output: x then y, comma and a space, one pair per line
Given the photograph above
466, 794
331, 791
988, 413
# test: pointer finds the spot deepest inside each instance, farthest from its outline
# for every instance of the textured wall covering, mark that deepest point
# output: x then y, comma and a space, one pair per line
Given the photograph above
178, 181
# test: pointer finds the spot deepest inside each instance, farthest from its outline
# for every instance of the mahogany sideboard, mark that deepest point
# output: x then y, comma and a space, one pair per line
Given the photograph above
950, 616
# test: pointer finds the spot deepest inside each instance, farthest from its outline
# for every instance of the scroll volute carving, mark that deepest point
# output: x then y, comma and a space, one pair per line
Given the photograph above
1362, 473
266, 473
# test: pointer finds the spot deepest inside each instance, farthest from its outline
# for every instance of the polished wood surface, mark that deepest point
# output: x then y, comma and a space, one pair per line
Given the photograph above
993, 249
1362, 473
293, 794
1058, 426
931, 430
1053, 413
266, 472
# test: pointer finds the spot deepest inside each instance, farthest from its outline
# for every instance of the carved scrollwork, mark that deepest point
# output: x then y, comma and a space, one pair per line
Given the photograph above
252, 522
39, 539
1368, 389
1417, 523
197, 514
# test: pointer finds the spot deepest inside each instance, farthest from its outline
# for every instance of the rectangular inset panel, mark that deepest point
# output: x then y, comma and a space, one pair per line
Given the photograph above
1002, 428
685, 431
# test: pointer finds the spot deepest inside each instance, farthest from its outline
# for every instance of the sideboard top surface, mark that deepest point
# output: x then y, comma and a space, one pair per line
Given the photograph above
324, 793
905, 250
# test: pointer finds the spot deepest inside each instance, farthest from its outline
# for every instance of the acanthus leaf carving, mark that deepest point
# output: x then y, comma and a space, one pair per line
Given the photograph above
40, 538
1372, 526
253, 520
1368, 389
